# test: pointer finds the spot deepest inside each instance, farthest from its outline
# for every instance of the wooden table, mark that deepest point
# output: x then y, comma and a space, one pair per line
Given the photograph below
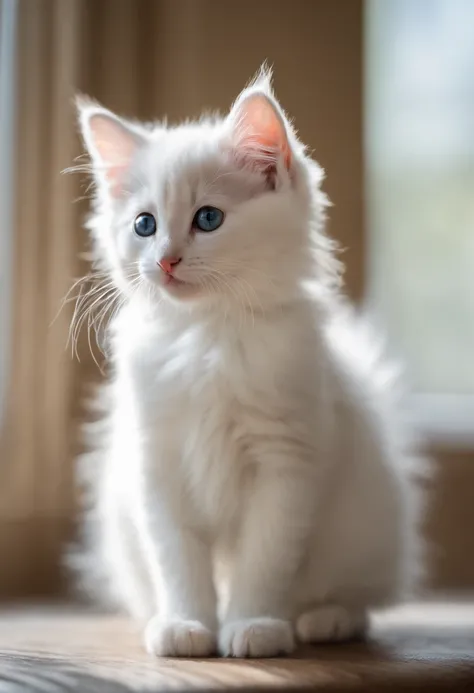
54, 649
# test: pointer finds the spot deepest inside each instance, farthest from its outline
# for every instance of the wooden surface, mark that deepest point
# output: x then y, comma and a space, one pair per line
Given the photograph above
413, 649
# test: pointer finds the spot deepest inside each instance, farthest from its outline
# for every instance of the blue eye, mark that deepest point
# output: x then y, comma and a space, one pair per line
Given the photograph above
145, 225
208, 219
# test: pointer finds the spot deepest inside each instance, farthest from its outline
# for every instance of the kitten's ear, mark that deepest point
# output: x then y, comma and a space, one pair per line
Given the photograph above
111, 143
260, 129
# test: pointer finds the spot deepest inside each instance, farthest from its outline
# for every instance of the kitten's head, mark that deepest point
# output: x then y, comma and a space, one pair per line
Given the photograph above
219, 211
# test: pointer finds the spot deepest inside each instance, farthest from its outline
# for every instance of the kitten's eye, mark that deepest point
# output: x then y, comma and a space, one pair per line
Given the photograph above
208, 219
145, 225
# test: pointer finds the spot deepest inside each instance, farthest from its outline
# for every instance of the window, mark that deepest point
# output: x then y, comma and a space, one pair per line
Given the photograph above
420, 146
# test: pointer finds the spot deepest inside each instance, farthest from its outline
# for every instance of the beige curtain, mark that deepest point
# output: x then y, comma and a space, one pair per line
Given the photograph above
144, 58
36, 441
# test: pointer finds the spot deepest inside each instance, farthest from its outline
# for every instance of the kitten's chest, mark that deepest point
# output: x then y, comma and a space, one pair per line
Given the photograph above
201, 398
190, 379
199, 374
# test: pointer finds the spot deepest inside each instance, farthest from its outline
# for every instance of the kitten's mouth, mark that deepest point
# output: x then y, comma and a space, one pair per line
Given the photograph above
169, 280
177, 287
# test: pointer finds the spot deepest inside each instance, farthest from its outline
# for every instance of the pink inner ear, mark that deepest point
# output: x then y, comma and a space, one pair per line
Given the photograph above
115, 146
262, 129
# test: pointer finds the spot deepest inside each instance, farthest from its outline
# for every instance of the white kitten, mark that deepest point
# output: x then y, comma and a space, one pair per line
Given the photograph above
252, 483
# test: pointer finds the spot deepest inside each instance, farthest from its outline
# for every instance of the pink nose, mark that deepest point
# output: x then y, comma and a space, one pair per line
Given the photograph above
168, 264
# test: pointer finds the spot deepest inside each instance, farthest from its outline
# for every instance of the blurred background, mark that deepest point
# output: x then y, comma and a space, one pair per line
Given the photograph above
381, 90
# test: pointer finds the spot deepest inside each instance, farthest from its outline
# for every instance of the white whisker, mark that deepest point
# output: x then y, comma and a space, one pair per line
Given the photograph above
97, 297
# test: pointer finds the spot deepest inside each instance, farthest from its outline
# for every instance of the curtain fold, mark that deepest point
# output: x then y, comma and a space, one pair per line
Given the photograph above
36, 437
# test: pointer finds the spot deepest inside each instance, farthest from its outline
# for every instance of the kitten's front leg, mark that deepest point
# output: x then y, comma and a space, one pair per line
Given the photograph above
275, 532
181, 570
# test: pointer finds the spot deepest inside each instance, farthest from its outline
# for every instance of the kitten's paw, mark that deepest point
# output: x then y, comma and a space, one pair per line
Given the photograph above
331, 623
256, 637
175, 638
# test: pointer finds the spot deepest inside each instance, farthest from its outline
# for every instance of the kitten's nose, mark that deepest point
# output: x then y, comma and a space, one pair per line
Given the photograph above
168, 264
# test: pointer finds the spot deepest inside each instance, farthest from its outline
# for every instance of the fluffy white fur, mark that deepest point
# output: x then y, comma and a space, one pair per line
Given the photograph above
252, 483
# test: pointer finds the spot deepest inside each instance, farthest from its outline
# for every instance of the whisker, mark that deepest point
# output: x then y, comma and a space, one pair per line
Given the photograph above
212, 272
242, 311
235, 264
96, 298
